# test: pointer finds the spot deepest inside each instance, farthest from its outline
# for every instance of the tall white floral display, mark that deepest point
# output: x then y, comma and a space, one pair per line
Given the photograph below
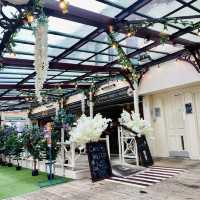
88, 129
132, 127
41, 55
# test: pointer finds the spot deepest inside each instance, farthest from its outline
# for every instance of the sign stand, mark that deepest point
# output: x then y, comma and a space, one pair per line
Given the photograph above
99, 161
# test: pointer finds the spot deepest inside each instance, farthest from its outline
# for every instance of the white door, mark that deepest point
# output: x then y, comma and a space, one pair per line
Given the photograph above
175, 124
197, 109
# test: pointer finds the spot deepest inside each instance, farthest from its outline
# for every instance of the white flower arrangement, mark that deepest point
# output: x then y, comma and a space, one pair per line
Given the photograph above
135, 123
88, 129
41, 56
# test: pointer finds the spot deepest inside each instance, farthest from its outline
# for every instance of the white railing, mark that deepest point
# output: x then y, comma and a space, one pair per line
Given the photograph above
127, 146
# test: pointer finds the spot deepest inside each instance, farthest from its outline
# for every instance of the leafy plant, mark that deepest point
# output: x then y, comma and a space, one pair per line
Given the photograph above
7, 141
33, 140
17, 148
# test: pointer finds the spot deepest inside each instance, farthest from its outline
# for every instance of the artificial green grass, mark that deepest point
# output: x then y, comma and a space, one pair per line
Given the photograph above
14, 183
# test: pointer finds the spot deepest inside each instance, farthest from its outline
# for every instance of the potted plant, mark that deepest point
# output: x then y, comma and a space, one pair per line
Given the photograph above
2, 161
32, 140
9, 142
9, 148
5, 132
17, 149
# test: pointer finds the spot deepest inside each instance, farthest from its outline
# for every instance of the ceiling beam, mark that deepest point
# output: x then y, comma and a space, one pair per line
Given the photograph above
76, 14
24, 63
46, 86
11, 98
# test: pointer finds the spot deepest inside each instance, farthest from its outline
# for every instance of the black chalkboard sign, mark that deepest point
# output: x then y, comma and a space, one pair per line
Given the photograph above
144, 153
99, 161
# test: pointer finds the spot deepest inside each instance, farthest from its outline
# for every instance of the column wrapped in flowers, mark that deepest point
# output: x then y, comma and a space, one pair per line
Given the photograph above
88, 129
41, 55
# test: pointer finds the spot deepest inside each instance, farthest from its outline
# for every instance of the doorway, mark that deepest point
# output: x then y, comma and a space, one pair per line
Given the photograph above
175, 124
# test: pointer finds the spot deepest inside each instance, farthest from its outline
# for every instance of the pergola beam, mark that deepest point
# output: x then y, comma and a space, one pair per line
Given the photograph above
46, 86
77, 15
24, 63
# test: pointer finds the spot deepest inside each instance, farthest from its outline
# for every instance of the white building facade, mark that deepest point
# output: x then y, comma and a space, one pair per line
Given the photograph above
171, 102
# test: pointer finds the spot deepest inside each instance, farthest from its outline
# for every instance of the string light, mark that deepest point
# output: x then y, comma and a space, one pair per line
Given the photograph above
130, 33
114, 45
13, 55
64, 5
30, 18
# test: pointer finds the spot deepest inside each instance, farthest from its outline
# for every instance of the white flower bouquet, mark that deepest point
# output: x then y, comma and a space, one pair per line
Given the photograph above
135, 123
88, 129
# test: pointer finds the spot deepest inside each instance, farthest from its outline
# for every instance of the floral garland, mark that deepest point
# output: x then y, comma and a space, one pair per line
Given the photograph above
88, 129
129, 72
41, 55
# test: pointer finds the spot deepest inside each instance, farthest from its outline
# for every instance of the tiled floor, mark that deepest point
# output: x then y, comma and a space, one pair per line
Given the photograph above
185, 186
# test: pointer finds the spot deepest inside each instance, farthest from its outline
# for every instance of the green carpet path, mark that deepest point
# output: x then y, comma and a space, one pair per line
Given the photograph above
14, 183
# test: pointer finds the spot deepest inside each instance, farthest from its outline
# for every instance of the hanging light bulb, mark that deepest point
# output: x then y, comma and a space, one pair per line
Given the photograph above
13, 55
129, 34
114, 45
64, 5
30, 18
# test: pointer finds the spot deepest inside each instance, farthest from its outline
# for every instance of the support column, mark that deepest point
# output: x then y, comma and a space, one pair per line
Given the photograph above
91, 105
83, 103
136, 97
62, 145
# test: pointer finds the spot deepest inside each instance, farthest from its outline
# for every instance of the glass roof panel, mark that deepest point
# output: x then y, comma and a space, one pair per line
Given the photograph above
73, 73
25, 35
160, 28
191, 37
18, 70
134, 17
196, 4
137, 42
155, 56
124, 3
61, 41
22, 47
95, 6
66, 26
103, 37
79, 55
185, 12
167, 48
159, 8
89, 63
93, 46
70, 61
54, 51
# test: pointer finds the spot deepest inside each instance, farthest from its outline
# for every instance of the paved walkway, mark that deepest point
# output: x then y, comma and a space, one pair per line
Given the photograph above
185, 186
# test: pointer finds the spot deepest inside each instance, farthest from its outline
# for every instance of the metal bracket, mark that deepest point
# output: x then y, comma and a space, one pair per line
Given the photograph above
192, 57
